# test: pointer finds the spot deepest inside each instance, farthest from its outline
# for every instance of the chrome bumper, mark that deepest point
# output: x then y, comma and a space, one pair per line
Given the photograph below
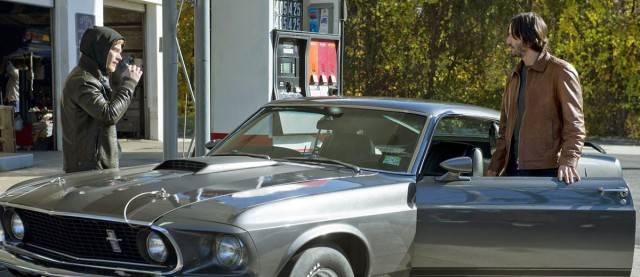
14, 262
21, 261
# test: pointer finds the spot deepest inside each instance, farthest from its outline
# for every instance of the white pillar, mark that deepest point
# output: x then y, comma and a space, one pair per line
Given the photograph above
153, 70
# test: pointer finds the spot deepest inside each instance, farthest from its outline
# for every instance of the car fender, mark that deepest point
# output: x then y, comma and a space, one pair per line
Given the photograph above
320, 231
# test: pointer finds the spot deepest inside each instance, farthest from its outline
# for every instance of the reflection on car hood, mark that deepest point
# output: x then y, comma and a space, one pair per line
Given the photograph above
149, 194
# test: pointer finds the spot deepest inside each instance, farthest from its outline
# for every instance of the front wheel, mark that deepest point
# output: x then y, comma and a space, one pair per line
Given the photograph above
321, 262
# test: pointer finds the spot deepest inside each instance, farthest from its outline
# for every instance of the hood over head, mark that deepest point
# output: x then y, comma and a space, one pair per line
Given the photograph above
96, 42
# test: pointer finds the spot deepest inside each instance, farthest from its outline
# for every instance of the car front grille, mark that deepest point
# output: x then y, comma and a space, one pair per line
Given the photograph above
81, 237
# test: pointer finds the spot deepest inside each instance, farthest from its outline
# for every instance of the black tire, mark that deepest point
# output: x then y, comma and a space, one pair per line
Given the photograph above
321, 262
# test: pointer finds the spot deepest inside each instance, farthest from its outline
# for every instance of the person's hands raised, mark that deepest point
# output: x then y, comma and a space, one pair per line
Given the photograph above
133, 71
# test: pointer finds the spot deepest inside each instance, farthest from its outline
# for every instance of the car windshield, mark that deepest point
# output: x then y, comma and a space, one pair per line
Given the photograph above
372, 139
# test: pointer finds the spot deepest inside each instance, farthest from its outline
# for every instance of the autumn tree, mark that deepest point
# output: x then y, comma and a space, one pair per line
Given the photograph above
456, 51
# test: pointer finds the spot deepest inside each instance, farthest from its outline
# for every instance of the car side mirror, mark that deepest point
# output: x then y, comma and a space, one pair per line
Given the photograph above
494, 130
455, 167
211, 144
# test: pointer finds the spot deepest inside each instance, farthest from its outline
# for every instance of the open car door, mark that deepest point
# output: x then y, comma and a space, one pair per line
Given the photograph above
533, 226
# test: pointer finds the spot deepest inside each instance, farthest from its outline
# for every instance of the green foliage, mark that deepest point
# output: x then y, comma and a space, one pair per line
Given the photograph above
186, 41
456, 51
601, 39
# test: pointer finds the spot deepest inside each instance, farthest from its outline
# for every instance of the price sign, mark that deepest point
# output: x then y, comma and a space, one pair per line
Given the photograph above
288, 15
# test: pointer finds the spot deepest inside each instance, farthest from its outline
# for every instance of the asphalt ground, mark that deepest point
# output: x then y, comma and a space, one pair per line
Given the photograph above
136, 152
629, 157
631, 170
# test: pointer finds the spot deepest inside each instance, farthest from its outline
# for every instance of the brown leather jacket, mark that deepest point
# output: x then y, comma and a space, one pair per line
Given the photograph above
552, 130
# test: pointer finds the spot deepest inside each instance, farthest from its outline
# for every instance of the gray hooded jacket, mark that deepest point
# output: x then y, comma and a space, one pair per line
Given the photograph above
90, 108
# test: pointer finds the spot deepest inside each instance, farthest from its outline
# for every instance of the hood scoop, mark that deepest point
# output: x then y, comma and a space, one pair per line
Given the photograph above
219, 164
184, 165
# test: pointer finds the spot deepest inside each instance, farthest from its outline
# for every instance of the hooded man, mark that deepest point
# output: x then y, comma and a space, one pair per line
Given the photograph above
91, 107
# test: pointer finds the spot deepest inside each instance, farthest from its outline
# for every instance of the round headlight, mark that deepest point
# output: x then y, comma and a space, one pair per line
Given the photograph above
156, 249
17, 228
230, 251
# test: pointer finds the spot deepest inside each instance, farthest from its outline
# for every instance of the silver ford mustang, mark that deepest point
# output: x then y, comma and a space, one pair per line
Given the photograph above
327, 187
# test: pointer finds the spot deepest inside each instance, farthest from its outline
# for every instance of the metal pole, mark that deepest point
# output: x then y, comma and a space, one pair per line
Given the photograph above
343, 18
202, 76
170, 68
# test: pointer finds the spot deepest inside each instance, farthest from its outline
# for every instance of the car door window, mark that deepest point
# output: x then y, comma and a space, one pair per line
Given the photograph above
457, 136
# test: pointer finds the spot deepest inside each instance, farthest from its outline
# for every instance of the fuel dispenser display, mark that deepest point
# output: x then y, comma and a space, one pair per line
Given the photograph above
306, 64
290, 68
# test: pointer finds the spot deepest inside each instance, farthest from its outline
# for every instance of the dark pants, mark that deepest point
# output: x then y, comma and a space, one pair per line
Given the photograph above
549, 172
512, 169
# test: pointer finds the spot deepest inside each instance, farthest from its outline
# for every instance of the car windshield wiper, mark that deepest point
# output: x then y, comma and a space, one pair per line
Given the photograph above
240, 153
355, 168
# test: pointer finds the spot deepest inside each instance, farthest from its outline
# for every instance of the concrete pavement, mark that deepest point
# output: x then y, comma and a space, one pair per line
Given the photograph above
134, 152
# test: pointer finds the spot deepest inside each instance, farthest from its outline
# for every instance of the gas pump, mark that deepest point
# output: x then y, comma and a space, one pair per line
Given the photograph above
289, 68
306, 55
323, 67
270, 50
307, 64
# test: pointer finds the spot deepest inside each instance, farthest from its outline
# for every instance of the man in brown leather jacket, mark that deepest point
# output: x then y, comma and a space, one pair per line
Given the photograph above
541, 122
90, 107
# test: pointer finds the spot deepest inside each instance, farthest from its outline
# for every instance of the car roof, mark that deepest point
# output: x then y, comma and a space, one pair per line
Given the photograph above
420, 106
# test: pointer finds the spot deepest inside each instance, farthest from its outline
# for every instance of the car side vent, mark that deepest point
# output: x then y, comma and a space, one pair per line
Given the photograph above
185, 165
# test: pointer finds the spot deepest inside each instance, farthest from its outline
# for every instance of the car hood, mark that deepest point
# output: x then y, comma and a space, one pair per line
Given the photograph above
140, 195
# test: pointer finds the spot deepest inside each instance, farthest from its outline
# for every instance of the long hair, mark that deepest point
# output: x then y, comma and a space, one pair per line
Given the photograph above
531, 29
